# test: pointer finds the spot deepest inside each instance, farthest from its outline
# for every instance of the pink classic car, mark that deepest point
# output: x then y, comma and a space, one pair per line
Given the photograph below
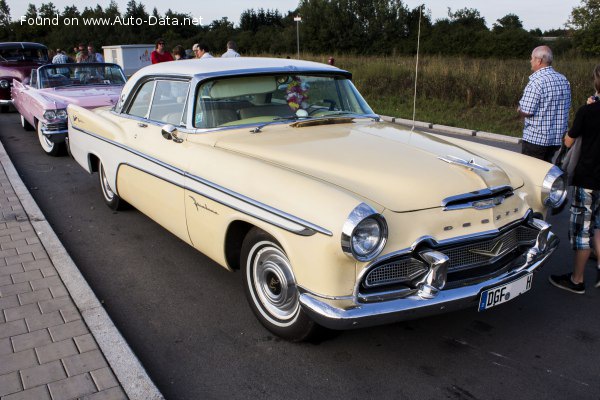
42, 102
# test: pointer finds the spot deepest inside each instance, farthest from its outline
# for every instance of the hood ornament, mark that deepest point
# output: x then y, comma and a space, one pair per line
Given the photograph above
471, 165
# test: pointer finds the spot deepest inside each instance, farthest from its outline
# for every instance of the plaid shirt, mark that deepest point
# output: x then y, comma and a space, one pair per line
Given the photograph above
547, 97
60, 58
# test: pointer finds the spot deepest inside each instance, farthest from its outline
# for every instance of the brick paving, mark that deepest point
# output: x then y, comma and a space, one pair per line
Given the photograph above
46, 349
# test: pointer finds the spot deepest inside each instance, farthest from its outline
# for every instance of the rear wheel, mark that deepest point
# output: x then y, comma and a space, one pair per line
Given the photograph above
49, 147
271, 289
26, 125
111, 199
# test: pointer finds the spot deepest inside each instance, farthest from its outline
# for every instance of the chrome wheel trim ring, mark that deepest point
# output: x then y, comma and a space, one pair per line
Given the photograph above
273, 284
22, 121
46, 144
109, 195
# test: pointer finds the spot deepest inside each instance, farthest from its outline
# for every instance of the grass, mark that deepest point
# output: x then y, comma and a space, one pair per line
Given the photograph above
479, 94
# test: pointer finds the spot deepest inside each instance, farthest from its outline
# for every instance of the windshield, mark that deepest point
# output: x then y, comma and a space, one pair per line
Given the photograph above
23, 54
266, 98
59, 75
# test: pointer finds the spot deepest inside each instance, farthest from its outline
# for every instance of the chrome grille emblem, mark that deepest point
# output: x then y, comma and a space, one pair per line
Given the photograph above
493, 252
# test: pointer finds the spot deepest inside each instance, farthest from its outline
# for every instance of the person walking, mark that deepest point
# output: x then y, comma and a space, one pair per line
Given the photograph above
160, 54
231, 50
584, 228
545, 106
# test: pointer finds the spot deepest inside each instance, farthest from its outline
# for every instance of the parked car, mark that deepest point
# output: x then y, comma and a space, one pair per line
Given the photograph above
42, 102
16, 61
280, 169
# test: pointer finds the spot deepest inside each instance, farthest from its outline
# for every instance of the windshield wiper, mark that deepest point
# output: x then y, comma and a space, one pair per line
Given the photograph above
278, 119
357, 115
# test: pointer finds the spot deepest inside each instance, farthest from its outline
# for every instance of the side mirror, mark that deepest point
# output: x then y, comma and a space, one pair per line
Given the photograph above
169, 132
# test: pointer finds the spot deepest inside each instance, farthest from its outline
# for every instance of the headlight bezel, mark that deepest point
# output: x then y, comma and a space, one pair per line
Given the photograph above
4, 84
59, 114
363, 214
553, 196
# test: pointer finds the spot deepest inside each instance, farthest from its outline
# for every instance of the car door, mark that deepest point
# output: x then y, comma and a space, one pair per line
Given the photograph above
152, 176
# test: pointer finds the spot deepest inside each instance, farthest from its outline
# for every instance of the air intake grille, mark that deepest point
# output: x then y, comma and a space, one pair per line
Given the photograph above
395, 272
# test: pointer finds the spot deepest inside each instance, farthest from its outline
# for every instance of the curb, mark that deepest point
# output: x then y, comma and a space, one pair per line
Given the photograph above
127, 368
451, 129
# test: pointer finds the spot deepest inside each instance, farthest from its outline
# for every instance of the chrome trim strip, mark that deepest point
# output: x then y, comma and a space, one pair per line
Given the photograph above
6, 102
46, 132
311, 228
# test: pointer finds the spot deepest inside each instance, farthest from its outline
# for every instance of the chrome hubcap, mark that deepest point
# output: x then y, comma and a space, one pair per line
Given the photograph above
274, 283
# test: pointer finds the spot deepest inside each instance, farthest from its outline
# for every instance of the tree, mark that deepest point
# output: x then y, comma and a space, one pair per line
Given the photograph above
584, 16
509, 21
4, 20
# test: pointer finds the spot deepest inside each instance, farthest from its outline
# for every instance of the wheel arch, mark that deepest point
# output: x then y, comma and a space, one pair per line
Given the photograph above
234, 237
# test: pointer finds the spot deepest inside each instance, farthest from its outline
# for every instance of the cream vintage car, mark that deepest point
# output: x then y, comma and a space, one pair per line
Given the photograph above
280, 169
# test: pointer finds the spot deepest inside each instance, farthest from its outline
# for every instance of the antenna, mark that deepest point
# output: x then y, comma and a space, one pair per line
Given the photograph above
417, 67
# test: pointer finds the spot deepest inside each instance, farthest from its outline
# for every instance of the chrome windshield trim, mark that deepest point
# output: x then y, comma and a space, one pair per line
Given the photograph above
310, 227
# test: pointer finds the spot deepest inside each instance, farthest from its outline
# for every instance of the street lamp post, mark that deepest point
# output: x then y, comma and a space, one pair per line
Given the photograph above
298, 19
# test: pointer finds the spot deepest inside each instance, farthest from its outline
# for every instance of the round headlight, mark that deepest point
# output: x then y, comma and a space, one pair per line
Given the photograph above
554, 188
364, 233
50, 115
4, 84
61, 114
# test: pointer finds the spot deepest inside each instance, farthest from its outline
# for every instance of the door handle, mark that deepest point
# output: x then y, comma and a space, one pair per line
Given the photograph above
142, 125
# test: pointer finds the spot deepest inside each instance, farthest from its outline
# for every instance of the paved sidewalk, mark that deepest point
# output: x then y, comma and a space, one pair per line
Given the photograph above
51, 324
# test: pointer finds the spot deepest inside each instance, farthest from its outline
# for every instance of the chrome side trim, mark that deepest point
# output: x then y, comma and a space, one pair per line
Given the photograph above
309, 230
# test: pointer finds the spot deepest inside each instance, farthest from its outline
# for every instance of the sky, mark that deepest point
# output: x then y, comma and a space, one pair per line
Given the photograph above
543, 14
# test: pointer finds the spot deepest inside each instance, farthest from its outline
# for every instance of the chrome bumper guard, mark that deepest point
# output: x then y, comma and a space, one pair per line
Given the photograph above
344, 314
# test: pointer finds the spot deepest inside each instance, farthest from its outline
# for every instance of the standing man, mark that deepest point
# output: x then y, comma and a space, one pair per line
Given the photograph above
231, 50
91, 50
545, 106
201, 50
584, 227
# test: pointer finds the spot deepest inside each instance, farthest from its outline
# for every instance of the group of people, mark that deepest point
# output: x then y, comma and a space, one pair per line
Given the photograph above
199, 50
82, 53
545, 107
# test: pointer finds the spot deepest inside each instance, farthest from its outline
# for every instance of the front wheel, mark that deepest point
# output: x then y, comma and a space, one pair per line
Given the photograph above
112, 200
49, 147
271, 289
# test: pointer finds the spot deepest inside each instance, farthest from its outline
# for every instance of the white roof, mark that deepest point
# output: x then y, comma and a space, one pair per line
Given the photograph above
218, 64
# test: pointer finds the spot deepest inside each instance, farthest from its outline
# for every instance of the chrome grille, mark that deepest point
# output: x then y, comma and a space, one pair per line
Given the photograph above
466, 257
395, 272
56, 126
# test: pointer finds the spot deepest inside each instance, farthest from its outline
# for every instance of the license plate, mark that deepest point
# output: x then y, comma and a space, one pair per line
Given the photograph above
501, 294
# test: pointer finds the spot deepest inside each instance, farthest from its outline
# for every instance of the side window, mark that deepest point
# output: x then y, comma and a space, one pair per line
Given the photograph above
33, 78
140, 105
169, 102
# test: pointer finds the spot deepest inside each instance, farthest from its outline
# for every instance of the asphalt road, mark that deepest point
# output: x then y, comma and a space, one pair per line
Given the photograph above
187, 319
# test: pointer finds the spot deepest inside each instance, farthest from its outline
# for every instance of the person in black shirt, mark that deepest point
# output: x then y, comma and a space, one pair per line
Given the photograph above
584, 226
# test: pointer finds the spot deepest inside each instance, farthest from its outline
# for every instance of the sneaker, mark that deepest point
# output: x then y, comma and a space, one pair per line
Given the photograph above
565, 282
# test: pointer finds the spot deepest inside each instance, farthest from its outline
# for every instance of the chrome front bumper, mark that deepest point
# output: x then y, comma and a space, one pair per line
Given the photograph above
6, 102
348, 314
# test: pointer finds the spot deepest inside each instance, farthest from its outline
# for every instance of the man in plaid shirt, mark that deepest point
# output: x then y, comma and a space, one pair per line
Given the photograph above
545, 106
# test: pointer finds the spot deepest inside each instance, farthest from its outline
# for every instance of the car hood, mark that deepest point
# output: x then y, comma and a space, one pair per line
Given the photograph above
17, 69
399, 169
88, 97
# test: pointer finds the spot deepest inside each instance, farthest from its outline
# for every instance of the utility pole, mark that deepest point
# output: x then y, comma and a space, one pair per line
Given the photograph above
298, 19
